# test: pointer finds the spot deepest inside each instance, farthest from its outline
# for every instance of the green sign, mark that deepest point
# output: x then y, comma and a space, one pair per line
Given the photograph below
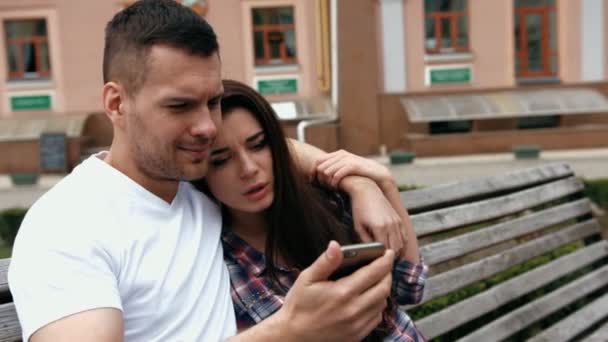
280, 86
456, 75
33, 102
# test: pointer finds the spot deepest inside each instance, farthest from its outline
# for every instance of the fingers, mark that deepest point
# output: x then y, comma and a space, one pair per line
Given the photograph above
362, 232
324, 266
370, 276
395, 236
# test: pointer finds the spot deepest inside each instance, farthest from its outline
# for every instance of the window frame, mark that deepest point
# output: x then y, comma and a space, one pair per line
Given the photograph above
19, 43
266, 30
453, 17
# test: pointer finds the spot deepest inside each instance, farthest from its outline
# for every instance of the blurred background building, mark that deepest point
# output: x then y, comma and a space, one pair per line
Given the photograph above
435, 77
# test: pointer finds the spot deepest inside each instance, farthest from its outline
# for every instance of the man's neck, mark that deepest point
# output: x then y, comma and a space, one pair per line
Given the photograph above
164, 189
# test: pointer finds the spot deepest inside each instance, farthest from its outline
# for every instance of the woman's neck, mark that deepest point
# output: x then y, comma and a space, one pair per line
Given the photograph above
251, 227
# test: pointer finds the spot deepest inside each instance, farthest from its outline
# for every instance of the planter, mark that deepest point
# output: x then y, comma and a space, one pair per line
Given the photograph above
526, 151
24, 178
402, 157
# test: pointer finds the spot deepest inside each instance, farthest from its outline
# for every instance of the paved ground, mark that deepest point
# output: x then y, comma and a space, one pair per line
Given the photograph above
590, 164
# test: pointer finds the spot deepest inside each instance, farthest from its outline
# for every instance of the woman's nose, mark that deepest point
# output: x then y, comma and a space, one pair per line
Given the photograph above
248, 166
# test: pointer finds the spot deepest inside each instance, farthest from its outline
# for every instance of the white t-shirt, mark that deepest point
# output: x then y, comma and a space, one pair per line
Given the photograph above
100, 240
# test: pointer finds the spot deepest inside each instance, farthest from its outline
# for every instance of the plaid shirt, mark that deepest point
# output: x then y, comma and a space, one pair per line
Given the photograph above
255, 298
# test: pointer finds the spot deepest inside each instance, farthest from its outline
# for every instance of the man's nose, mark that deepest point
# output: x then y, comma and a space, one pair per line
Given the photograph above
204, 126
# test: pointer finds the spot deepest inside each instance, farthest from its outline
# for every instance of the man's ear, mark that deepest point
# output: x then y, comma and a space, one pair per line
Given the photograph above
114, 102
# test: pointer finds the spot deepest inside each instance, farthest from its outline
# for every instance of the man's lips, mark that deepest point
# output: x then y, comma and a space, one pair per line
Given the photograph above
199, 152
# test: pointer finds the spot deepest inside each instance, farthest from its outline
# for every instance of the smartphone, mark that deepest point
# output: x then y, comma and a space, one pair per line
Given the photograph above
356, 256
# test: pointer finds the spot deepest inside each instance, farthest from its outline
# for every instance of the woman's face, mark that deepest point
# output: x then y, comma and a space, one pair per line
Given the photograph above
240, 171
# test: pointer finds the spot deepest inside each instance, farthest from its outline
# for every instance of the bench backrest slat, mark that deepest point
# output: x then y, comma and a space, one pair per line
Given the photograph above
482, 303
437, 252
454, 279
459, 192
575, 324
10, 330
4, 275
448, 218
540, 308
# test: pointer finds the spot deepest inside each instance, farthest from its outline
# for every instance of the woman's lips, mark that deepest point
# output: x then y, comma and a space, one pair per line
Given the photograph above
257, 192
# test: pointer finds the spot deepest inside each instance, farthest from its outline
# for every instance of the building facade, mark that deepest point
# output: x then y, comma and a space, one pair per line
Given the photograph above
365, 62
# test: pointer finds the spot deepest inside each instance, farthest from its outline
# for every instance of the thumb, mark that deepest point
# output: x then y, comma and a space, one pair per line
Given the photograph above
325, 264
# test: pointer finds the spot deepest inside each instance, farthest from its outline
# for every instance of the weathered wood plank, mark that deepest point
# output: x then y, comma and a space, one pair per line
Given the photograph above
447, 249
460, 191
600, 335
10, 330
524, 316
454, 279
576, 323
448, 218
471, 308
4, 263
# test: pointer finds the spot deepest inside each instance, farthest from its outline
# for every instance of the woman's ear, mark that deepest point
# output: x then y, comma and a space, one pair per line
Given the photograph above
114, 103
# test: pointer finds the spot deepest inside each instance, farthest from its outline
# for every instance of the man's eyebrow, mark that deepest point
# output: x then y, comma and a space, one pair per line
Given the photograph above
255, 136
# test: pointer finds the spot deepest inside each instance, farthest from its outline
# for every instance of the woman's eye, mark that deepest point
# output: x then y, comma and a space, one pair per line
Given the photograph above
260, 145
218, 162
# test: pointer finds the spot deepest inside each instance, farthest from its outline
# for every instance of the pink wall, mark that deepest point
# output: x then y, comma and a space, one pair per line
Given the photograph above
569, 40
228, 24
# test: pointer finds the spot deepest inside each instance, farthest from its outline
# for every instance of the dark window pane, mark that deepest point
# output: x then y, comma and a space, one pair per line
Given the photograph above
285, 15
275, 39
445, 127
533, 122
430, 41
463, 31
258, 39
25, 28
446, 33
29, 58
12, 58
44, 57
534, 3
290, 42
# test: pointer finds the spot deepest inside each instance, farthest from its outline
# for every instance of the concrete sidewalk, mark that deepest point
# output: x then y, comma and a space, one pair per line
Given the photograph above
589, 164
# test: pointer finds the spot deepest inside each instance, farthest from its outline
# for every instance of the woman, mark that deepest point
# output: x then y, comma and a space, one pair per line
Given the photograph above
276, 223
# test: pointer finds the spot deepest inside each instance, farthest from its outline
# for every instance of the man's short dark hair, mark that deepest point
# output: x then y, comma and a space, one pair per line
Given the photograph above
134, 30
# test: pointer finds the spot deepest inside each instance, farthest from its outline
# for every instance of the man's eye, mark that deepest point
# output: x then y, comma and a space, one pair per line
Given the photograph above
178, 106
214, 103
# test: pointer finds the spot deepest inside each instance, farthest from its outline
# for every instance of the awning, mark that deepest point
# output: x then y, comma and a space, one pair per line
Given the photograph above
504, 104
312, 108
21, 127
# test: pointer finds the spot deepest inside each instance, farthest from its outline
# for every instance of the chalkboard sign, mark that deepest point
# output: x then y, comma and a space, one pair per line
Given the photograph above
53, 152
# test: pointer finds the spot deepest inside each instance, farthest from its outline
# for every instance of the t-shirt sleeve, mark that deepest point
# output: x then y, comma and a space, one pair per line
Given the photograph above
58, 270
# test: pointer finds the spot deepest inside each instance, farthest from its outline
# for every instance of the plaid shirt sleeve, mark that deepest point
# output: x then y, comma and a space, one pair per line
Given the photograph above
408, 281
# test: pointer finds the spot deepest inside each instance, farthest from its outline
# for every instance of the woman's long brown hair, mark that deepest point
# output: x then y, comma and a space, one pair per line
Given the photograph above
301, 221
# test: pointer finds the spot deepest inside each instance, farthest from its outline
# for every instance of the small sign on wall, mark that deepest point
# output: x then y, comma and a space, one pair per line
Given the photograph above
448, 74
274, 86
30, 102
53, 152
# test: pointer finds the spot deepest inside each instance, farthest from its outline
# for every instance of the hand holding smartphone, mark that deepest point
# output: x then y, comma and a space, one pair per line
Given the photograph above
356, 256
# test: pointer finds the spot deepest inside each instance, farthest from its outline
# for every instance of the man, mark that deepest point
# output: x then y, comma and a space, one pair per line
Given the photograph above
124, 248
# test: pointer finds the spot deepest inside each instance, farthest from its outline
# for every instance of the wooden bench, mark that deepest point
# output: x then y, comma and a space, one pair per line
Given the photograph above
479, 236
474, 230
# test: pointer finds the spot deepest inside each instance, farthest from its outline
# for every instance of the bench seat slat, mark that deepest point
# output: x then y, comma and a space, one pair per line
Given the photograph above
4, 263
600, 335
10, 330
445, 219
576, 323
540, 308
460, 191
471, 308
447, 249
454, 279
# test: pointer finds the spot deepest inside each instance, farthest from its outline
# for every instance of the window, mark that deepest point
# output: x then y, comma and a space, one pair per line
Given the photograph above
447, 127
274, 36
535, 122
446, 26
27, 49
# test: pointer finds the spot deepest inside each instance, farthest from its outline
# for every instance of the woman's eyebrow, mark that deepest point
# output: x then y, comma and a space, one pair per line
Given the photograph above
254, 136
219, 151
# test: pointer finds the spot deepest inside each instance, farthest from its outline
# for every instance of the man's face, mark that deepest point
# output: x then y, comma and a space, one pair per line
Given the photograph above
172, 120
